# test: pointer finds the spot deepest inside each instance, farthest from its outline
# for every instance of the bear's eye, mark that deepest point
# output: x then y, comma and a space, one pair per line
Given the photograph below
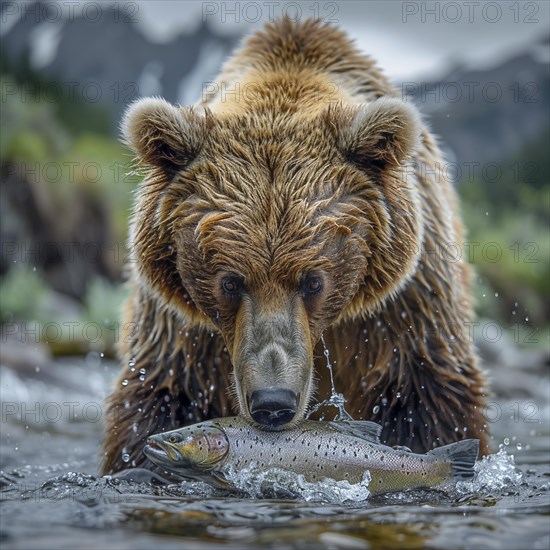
232, 286
311, 285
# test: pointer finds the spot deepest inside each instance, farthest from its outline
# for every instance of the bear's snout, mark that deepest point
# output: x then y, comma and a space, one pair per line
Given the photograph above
273, 407
272, 356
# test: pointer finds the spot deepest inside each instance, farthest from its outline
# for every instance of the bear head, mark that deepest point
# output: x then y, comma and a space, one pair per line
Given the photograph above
272, 226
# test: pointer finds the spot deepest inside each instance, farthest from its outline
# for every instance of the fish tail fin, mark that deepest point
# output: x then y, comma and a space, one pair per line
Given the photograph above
462, 455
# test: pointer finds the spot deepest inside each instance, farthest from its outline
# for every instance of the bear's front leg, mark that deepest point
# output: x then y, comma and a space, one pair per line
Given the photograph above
171, 376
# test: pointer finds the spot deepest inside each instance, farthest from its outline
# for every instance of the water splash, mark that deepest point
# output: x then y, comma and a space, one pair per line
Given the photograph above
493, 473
336, 399
279, 483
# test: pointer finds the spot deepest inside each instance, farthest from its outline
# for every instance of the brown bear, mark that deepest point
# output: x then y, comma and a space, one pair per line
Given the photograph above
300, 199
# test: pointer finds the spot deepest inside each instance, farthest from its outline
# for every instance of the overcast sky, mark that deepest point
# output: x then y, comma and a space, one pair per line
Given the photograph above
407, 38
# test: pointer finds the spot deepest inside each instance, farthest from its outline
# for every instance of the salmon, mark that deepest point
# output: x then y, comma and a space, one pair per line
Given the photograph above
340, 450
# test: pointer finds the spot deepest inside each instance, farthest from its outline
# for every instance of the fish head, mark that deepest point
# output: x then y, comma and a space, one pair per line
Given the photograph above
195, 448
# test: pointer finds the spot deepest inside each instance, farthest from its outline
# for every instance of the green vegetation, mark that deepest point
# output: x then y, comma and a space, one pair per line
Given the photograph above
22, 294
70, 171
32, 136
507, 220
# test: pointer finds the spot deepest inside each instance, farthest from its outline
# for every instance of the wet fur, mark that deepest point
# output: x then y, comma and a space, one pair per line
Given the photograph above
318, 177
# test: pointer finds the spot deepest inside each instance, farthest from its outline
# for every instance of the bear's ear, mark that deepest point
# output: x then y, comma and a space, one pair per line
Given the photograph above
377, 135
163, 135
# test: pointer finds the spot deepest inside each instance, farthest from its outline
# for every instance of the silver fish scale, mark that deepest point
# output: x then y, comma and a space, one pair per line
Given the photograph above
318, 453
340, 450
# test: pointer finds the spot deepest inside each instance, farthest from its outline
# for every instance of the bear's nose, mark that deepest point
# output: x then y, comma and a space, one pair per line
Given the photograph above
273, 407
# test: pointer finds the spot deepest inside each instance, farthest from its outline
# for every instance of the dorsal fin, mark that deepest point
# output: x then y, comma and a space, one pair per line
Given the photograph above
363, 429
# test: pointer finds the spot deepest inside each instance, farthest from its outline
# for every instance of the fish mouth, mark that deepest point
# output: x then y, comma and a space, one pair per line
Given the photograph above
157, 452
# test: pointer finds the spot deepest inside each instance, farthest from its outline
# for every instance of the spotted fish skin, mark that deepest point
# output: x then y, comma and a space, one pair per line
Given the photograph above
337, 450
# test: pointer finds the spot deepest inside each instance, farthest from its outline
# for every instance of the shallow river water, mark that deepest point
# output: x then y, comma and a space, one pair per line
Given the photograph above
51, 496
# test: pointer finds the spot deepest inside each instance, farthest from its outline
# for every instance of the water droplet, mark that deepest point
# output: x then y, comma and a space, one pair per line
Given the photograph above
142, 371
125, 456
506, 441
36, 369
125, 382
336, 399
519, 446
376, 409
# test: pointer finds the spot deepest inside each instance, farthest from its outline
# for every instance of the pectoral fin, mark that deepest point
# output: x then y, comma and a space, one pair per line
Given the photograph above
217, 479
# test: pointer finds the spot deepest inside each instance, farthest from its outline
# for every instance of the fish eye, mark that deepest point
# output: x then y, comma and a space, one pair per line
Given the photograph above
173, 439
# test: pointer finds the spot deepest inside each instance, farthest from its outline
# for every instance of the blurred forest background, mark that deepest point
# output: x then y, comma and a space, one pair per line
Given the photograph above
66, 185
